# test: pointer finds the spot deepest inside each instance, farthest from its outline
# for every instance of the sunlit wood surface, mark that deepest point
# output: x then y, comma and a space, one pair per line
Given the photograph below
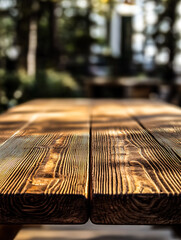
44, 162
135, 163
132, 173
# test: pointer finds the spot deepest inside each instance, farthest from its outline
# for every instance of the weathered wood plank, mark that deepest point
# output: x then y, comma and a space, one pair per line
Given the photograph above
135, 173
44, 162
162, 120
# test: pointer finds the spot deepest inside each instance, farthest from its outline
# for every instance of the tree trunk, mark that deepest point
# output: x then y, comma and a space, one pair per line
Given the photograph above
32, 47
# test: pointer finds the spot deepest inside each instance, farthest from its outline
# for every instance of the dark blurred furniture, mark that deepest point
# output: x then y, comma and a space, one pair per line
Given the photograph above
178, 91
122, 87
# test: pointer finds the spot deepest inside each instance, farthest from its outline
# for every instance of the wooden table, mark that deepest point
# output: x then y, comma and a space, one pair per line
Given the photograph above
117, 162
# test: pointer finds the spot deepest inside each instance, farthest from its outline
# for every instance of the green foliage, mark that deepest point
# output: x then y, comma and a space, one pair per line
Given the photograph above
50, 83
9, 84
17, 87
7, 34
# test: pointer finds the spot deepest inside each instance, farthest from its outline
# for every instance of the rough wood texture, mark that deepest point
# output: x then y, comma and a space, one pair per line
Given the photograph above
135, 163
44, 162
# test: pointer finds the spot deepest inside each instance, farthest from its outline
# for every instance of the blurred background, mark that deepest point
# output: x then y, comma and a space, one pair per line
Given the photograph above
90, 48
97, 232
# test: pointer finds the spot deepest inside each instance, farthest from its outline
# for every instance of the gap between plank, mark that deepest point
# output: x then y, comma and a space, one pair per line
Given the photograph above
90, 168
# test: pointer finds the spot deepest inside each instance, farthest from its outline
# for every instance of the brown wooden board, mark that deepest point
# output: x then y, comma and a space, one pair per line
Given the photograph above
135, 163
44, 162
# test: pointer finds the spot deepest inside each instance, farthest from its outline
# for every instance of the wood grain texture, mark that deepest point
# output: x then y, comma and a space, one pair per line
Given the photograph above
135, 163
161, 120
44, 162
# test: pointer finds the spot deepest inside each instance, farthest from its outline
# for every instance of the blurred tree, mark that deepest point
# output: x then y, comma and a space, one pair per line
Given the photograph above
32, 43
27, 24
165, 38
